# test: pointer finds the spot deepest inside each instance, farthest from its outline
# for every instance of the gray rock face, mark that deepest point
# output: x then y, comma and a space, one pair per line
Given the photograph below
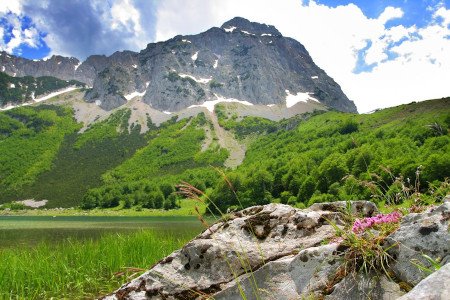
426, 233
241, 60
278, 252
65, 68
434, 287
57, 66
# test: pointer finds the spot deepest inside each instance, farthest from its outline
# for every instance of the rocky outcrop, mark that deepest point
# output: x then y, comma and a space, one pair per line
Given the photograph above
421, 234
279, 252
241, 60
434, 287
66, 68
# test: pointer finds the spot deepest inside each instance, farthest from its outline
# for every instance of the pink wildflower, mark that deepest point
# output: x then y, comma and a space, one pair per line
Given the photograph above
362, 224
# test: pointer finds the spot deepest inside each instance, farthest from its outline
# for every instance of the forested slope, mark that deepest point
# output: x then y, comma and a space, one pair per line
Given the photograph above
321, 156
386, 155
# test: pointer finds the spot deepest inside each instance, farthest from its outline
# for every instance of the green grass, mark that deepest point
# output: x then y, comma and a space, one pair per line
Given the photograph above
80, 270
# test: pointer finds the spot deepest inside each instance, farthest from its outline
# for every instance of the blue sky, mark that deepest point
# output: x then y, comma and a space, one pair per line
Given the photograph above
382, 53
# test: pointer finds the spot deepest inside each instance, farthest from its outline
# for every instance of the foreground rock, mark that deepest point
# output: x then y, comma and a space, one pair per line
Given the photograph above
435, 286
289, 254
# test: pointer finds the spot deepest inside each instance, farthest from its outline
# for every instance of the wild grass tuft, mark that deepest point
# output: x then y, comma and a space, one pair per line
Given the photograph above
81, 269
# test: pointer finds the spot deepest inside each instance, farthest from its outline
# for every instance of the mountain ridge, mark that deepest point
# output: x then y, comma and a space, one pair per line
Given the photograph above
240, 60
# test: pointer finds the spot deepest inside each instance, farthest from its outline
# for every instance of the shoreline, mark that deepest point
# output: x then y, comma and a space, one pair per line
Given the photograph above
187, 209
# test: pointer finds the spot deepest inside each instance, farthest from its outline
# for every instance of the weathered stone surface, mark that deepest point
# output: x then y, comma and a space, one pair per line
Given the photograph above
424, 233
434, 287
279, 252
357, 208
286, 278
251, 239
362, 286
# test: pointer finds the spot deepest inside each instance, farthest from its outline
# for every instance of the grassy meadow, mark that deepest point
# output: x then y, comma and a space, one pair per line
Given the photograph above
75, 269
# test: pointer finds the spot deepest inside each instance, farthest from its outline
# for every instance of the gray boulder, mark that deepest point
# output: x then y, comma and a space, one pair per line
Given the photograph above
279, 252
434, 287
257, 240
425, 233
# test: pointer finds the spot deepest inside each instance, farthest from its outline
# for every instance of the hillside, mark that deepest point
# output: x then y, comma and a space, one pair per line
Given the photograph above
300, 160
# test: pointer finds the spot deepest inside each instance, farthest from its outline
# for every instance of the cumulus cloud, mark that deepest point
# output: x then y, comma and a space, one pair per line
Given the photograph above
407, 63
80, 28
12, 33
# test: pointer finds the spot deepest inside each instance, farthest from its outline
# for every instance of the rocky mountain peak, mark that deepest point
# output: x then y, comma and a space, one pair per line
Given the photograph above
244, 25
243, 61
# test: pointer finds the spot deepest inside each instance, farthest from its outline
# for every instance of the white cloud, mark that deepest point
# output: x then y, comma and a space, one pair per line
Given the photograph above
10, 6
444, 14
390, 13
19, 36
333, 37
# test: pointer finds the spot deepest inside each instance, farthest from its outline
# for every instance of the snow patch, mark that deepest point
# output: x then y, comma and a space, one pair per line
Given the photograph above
314, 77
59, 62
54, 94
76, 66
13, 106
173, 51
291, 100
98, 102
230, 29
270, 42
216, 63
167, 112
246, 32
199, 80
134, 94
209, 105
195, 56
271, 105
3, 68
147, 83
186, 41
14, 75
12, 85
134, 66
41, 99
266, 34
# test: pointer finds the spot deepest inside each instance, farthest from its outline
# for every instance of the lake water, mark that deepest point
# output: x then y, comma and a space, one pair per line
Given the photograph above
17, 231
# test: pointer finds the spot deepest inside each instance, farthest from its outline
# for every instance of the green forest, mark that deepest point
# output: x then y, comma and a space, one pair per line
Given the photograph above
386, 156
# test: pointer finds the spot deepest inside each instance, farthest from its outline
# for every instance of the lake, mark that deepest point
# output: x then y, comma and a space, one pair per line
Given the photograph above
27, 231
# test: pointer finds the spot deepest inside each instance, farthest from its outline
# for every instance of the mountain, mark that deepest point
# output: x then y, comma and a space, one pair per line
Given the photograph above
241, 60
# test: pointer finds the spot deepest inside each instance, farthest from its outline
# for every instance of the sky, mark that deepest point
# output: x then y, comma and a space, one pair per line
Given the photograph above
382, 53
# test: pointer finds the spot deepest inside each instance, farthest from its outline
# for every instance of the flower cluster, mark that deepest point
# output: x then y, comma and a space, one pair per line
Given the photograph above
362, 224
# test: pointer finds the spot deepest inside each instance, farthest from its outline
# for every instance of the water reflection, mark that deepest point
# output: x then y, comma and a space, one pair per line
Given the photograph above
27, 231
